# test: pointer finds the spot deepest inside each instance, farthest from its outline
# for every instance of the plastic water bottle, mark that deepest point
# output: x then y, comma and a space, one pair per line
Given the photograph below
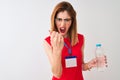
99, 53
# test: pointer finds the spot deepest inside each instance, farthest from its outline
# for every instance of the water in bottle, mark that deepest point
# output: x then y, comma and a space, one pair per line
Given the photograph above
99, 53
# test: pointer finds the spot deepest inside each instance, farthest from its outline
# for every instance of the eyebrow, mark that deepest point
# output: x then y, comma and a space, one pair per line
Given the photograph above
64, 18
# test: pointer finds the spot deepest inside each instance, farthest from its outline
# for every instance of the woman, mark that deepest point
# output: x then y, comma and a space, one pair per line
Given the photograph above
64, 46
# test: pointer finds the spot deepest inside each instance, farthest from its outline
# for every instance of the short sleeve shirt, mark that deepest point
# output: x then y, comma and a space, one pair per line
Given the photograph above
74, 73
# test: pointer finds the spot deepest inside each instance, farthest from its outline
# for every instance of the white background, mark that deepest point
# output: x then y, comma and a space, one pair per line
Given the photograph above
25, 23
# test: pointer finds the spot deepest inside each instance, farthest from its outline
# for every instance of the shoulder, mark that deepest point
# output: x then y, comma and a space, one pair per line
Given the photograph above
47, 39
80, 36
80, 39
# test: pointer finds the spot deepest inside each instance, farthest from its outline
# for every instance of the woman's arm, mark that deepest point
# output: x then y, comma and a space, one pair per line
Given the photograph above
85, 66
55, 60
54, 53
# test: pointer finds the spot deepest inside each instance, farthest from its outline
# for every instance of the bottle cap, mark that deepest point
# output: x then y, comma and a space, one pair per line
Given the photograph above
98, 45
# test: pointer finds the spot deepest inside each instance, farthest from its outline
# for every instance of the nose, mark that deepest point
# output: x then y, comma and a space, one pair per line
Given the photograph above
62, 23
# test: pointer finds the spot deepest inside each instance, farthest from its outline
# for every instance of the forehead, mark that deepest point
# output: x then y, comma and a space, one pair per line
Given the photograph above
63, 14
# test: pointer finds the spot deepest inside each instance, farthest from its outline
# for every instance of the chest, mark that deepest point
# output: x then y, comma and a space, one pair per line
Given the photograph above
76, 51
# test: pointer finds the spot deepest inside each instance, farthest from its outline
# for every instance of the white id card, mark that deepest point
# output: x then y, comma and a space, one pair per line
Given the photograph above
71, 61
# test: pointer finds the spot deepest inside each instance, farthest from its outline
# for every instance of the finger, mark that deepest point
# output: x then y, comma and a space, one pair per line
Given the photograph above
55, 36
59, 38
105, 56
52, 35
106, 65
62, 40
55, 39
105, 59
95, 60
106, 62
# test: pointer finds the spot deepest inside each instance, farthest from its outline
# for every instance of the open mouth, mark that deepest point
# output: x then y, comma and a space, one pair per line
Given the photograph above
62, 30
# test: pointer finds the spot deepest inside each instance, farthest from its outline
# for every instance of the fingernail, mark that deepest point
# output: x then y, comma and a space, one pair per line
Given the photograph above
50, 31
106, 65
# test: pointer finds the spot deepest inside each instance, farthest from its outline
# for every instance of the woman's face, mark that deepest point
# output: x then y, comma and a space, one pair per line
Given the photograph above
63, 22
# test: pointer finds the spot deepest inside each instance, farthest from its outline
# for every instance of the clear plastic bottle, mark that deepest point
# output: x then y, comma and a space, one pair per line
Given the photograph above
99, 53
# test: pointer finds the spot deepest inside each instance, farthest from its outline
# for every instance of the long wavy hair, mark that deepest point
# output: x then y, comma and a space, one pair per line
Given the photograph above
72, 32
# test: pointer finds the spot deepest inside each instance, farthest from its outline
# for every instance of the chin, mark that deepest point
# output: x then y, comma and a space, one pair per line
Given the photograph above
64, 35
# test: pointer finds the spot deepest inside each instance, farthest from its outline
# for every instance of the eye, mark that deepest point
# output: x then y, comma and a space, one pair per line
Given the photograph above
67, 20
58, 19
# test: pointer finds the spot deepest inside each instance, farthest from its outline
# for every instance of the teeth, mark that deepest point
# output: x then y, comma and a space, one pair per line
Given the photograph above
62, 28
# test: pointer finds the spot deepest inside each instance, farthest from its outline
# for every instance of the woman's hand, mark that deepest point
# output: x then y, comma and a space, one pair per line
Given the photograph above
94, 62
57, 42
54, 52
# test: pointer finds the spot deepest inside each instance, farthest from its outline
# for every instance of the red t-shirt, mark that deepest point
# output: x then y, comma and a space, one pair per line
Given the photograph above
74, 73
